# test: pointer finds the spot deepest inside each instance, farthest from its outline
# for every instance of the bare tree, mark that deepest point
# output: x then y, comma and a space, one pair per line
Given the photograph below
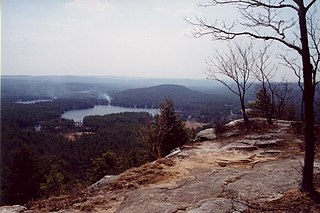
284, 105
265, 20
234, 70
292, 64
265, 71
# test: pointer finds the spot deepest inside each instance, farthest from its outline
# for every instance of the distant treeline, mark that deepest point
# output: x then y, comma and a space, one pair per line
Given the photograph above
29, 89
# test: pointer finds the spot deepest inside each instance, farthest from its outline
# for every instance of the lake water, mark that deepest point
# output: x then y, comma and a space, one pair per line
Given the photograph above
78, 115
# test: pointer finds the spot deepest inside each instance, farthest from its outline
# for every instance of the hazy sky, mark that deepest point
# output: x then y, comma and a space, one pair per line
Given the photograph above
102, 37
145, 38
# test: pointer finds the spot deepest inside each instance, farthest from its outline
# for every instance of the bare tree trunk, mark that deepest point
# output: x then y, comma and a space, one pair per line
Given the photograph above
302, 108
158, 151
243, 108
307, 176
266, 105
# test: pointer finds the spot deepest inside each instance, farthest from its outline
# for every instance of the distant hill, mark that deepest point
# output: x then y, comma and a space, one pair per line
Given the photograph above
115, 83
153, 96
187, 101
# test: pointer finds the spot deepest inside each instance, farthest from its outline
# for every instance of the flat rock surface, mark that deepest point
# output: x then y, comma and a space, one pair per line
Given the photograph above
191, 192
246, 144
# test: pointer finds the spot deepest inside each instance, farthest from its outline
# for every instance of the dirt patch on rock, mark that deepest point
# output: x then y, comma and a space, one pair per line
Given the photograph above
147, 174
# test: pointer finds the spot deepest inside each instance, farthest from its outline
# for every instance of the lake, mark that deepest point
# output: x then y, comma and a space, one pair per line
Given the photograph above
78, 115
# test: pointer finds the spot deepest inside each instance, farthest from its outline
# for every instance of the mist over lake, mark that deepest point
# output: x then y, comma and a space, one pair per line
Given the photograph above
33, 101
78, 115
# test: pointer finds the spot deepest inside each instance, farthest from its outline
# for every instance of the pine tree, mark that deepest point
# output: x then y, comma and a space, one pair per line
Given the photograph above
106, 164
22, 178
262, 106
54, 183
280, 107
168, 131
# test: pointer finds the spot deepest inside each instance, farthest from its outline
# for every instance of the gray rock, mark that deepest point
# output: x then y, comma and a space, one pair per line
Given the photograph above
247, 145
104, 181
272, 151
234, 123
246, 141
12, 209
145, 201
67, 211
229, 134
203, 192
219, 205
260, 137
207, 134
316, 167
267, 180
267, 143
174, 152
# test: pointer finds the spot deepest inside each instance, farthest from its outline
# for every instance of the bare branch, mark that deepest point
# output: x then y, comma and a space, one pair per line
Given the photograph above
227, 33
314, 34
267, 18
310, 4
251, 3
237, 65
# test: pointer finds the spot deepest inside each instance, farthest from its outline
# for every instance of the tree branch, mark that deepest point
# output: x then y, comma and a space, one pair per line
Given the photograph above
228, 34
310, 4
251, 3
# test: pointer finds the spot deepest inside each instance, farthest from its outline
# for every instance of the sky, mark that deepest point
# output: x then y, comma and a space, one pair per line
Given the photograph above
145, 38
140, 38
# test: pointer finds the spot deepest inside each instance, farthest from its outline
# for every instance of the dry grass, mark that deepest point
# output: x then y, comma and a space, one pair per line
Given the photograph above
293, 201
50, 204
144, 175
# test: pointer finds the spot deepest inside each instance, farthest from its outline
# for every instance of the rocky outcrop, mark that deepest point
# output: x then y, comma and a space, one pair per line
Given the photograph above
104, 181
207, 134
223, 175
202, 190
12, 209
253, 142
